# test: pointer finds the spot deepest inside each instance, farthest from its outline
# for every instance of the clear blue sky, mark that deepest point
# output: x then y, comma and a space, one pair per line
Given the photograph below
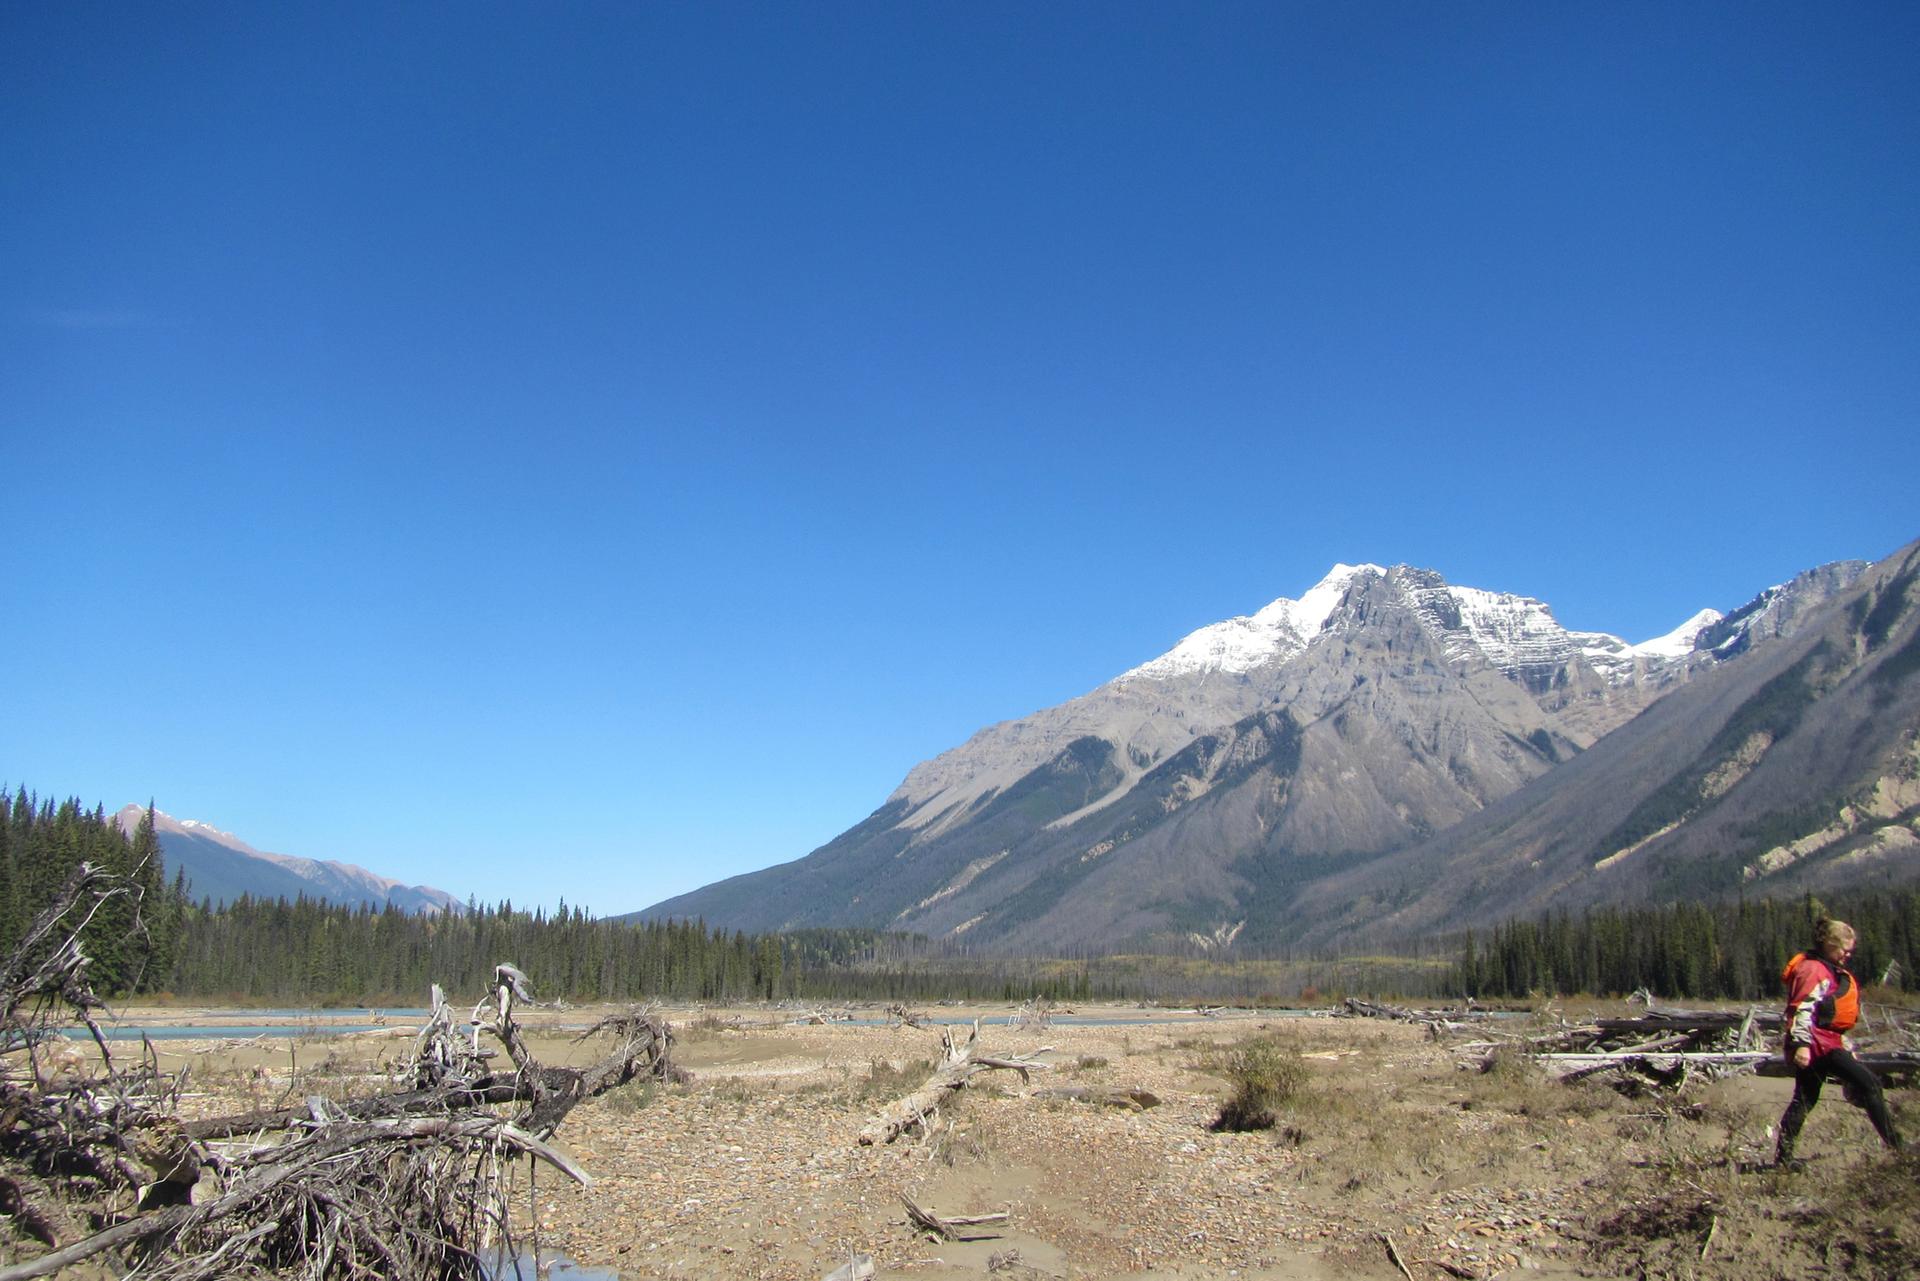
592, 450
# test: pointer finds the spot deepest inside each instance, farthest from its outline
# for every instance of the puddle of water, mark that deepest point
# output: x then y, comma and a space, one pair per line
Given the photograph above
224, 1024
224, 1031
521, 1268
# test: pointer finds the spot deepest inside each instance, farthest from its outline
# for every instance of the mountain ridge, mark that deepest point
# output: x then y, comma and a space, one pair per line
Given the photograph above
221, 867
1196, 795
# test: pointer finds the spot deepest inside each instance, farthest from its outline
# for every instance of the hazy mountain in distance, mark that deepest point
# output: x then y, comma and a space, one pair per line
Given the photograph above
1198, 795
222, 867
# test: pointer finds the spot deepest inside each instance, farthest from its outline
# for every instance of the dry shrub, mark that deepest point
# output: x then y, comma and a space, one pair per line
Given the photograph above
1267, 1078
957, 1147
885, 1081
705, 1027
1513, 1082
634, 1097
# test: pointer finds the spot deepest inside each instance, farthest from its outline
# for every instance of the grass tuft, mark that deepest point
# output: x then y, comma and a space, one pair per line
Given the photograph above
1267, 1078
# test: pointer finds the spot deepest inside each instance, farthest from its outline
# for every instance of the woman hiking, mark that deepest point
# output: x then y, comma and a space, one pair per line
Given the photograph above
1823, 1001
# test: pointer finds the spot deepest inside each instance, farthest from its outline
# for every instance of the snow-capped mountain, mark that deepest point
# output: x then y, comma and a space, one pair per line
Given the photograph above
220, 866
1380, 707
1586, 683
1790, 765
1276, 633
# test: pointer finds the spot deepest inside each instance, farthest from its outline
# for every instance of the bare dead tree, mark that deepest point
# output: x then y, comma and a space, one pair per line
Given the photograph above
959, 1063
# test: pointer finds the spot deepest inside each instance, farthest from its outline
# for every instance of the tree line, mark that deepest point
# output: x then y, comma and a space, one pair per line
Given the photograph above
133, 940
152, 938
1733, 951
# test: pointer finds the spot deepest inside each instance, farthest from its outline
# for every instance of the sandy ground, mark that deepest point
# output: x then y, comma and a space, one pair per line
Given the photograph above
1390, 1160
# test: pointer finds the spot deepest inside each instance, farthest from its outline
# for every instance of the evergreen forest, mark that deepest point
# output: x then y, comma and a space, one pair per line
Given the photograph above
151, 939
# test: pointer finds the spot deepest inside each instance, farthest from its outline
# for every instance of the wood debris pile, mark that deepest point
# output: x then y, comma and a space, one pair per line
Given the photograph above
1435, 1021
94, 1160
1667, 1048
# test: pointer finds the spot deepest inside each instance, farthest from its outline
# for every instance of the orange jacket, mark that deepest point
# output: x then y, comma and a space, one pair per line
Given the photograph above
1823, 1000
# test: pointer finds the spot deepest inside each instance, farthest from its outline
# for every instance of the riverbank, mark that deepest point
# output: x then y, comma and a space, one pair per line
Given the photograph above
1389, 1160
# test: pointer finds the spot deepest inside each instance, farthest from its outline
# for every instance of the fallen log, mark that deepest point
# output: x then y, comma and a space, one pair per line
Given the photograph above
551, 1091
1703, 1023
959, 1064
1890, 1068
1570, 1067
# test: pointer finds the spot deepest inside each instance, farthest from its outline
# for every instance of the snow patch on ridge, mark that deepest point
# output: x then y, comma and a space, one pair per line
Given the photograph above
1519, 635
1679, 642
1514, 633
1274, 633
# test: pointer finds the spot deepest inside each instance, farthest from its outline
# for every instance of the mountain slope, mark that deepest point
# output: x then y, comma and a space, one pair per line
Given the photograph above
1199, 794
1796, 768
222, 867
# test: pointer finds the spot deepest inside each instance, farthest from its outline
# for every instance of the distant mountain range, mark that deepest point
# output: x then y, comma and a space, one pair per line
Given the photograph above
222, 867
1391, 754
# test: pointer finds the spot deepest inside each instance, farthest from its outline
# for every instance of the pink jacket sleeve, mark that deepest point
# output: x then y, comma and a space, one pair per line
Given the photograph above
1809, 983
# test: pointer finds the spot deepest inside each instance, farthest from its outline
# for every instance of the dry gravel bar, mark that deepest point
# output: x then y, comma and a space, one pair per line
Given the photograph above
1391, 1160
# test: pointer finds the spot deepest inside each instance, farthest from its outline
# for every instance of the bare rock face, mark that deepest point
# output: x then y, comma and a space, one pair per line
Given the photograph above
1199, 795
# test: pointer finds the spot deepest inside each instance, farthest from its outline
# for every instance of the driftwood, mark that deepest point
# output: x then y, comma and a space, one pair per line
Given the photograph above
1435, 1021
959, 1063
1035, 1015
1667, 1047
408, 1186
1668, 1068
551, 1092
946, 1226
911, 1018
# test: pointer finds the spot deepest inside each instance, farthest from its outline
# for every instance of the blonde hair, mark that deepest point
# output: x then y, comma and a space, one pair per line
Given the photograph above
1827, 930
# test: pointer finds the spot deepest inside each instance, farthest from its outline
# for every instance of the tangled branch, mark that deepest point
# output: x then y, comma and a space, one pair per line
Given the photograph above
409, 1184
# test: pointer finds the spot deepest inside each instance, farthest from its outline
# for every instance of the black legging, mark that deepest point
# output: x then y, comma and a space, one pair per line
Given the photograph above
1863, 1091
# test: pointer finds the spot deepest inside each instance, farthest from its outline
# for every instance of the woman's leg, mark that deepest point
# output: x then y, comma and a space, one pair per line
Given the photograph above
1806, 1093
1864, 1092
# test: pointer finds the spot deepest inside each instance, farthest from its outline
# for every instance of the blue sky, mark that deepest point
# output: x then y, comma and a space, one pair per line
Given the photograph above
588, 451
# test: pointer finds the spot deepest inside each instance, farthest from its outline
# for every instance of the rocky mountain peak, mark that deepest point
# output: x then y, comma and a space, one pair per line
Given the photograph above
1272, 634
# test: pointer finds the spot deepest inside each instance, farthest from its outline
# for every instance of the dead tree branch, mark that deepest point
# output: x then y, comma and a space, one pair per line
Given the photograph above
959, 1063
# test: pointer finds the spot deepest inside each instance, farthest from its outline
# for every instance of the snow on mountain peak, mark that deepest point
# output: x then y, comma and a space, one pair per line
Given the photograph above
1278, 630
1678, 643
1517, 634
1310, 613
